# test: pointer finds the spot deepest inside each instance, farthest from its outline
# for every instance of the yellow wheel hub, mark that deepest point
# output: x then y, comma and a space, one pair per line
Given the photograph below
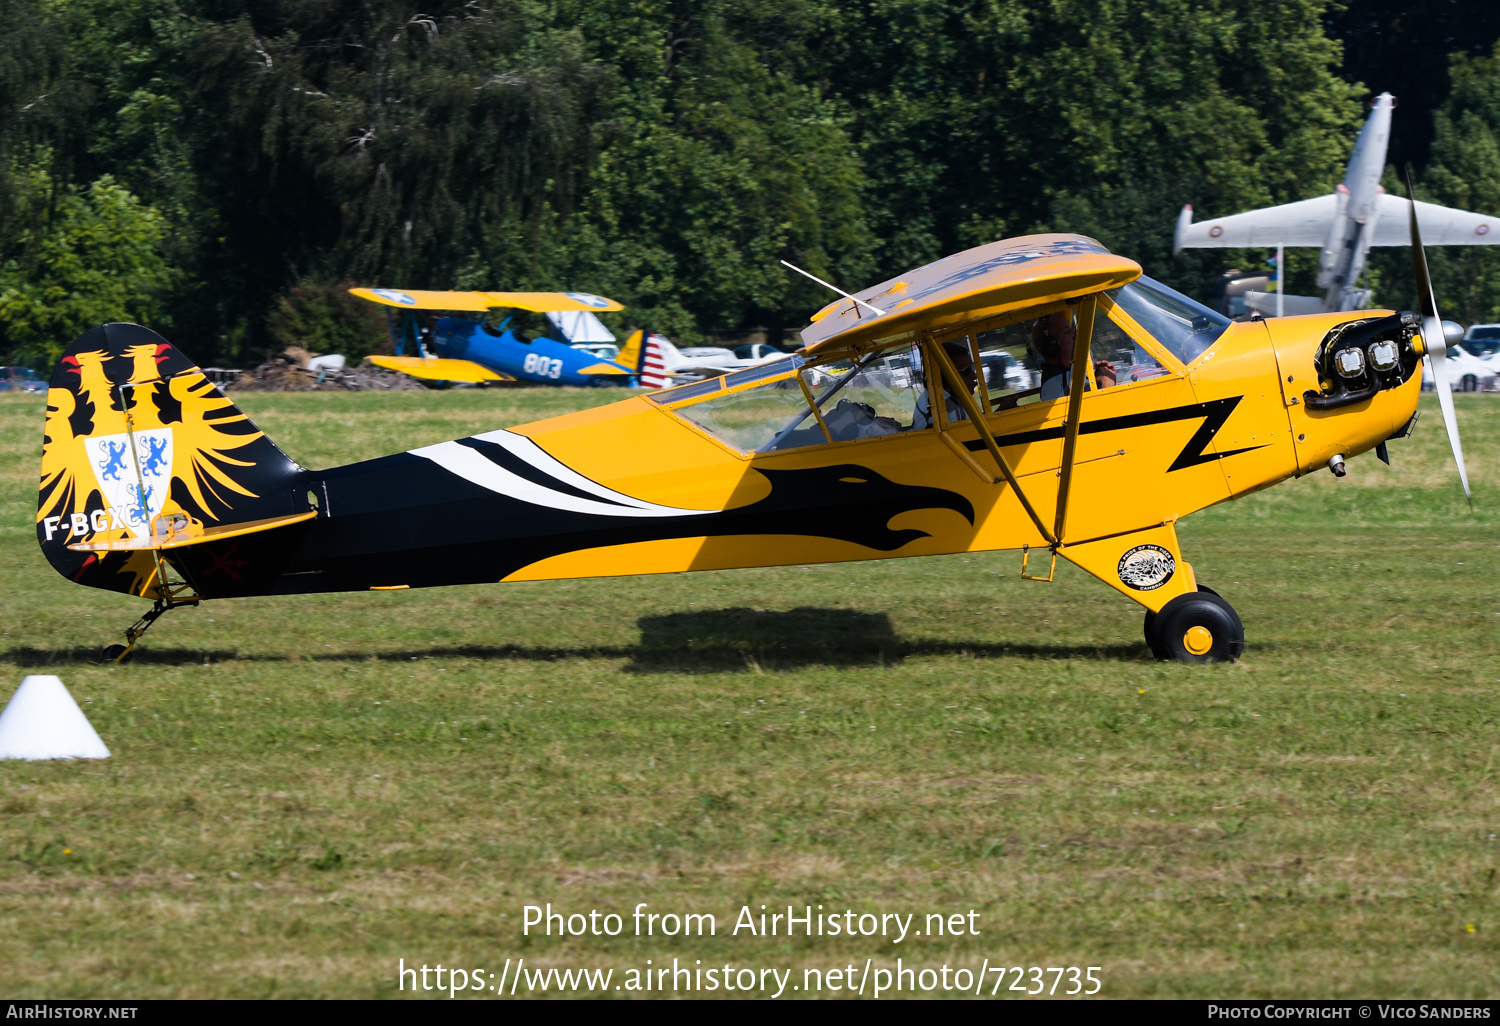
1198, 640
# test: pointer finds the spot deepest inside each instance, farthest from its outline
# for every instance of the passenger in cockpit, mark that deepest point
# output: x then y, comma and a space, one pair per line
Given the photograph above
1052, 337
963, 362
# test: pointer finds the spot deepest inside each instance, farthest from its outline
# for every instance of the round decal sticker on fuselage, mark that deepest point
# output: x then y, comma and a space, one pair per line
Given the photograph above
1146, 567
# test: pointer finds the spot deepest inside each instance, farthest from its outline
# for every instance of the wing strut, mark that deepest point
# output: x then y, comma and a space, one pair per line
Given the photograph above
958, 391
1082, 368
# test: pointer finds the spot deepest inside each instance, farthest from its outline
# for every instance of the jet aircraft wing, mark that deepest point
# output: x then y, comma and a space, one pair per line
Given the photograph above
981, 282
440, 370
1304, 223
1439, 225
541, 302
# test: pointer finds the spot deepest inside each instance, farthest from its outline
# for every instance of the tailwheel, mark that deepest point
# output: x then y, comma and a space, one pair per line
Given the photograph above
1196, 628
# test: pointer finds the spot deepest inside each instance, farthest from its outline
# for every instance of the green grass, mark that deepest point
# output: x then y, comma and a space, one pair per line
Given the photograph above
305, 790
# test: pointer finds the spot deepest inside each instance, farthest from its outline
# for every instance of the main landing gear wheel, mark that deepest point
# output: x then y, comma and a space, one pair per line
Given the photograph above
1196, 628
1151, 618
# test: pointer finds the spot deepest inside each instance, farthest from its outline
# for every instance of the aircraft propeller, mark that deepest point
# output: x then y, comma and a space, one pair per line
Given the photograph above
1435, 341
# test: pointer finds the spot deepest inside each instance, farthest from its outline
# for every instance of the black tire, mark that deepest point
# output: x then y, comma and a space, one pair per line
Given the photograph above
113, 653
1151, 618
1469, 384
1197, 628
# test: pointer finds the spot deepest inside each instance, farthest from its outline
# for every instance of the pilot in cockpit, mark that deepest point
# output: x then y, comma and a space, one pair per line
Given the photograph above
963, 362
1052, 337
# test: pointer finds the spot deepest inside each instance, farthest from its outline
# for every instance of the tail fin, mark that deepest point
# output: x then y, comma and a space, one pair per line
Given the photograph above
134, 430
649, 355
630, 356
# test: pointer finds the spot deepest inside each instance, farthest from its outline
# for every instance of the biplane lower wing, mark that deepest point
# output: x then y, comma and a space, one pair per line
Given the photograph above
440, 370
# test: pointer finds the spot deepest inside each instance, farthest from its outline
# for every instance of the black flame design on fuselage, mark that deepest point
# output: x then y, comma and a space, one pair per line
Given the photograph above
475, 535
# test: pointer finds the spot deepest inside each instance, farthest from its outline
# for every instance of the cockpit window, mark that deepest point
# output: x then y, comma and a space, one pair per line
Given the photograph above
1184, 326
878, 396
750, 418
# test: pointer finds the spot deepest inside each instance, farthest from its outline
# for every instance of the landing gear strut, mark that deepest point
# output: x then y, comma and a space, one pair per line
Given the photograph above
119, 653
1199, 627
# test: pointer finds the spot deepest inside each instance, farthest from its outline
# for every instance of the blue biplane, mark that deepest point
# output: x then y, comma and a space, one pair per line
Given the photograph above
550, 338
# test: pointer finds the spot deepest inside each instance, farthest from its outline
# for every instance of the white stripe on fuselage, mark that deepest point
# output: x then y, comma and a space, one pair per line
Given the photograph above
474, 467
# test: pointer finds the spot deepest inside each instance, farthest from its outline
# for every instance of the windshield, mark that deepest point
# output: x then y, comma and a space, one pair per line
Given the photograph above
1184, 326
1482, 345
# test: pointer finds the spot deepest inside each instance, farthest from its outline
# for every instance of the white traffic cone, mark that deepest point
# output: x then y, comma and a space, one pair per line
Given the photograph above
42, 721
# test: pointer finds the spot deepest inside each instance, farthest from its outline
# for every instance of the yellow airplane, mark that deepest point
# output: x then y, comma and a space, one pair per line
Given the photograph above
899, 429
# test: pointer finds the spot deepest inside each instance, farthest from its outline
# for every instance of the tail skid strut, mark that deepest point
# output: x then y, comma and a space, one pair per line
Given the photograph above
133, 633
172, 597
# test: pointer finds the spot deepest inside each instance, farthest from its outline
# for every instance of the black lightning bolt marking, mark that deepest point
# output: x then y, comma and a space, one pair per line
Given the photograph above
1214, 414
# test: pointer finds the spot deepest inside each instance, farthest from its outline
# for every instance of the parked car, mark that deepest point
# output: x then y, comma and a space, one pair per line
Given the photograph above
1483, 341
21, 379
1466, 372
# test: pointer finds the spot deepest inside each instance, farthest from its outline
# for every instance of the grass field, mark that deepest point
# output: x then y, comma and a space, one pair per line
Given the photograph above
305, 790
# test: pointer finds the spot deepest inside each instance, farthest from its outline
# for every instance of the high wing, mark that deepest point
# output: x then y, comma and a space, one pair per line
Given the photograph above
1304, 223
985, 281
541, 302
1440, 226
440, 370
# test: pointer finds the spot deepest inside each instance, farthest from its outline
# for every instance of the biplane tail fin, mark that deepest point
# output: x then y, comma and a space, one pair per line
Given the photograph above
135, 433
630, 355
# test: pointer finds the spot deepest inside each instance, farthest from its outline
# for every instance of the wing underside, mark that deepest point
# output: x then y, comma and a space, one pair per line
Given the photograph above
1440, 226
1304, 223
1307, 223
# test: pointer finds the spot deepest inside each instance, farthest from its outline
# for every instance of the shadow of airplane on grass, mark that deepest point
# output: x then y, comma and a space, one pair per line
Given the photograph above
735, 639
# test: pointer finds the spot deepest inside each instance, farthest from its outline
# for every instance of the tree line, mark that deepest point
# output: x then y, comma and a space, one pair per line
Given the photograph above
223, 169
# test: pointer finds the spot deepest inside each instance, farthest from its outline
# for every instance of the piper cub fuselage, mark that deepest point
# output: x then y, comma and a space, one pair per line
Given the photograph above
874, 440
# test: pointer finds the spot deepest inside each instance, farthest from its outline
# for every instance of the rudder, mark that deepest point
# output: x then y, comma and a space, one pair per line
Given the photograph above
135, 430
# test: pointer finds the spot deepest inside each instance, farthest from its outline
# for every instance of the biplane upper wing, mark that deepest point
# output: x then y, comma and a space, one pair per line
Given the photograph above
440, 370
982, 282
478, 302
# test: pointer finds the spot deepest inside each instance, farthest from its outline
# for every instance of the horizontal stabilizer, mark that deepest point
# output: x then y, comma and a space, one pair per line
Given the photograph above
603, 368
182, 541
440, 370
477, 302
